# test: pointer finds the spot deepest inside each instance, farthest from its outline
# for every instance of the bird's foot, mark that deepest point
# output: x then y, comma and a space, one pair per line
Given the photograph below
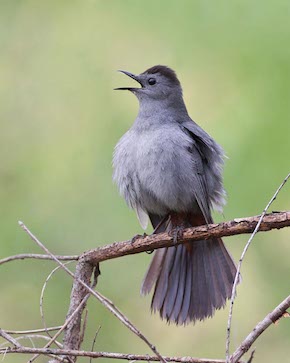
137, 236
176, 233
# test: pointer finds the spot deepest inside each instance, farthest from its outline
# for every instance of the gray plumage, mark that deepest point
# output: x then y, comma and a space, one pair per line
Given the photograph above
169, 169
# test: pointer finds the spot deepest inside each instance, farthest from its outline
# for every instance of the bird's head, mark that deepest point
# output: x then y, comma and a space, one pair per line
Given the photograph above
156, 84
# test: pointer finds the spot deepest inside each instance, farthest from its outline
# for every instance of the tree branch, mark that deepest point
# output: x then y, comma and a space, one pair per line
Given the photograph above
108, 304
32, 331
237, 277
271, 318
270, 221
92, 258
72, 336
9, 339
130, 357
24, 256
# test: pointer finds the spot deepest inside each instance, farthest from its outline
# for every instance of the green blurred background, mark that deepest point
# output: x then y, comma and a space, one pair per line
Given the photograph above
60, 120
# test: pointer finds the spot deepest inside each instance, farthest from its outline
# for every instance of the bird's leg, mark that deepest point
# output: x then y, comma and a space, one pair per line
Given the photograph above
157, 228
176, 233
163, 220
176, 226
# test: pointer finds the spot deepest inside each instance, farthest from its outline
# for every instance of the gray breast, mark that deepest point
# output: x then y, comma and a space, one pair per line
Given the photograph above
152, 170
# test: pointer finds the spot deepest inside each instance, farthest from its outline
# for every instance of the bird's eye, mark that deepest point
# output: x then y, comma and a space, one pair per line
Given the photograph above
151, 81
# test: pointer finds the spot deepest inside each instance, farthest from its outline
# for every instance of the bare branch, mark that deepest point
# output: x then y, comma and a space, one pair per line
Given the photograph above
271, 318
17, 346
130, 357
250, 360
72, 336
237, 277
36, 256
9, 338
94, 341
237, 226
142, 244
32, 331
66, 323
148, 243
42, 297
31, 337
101, 298
89, 261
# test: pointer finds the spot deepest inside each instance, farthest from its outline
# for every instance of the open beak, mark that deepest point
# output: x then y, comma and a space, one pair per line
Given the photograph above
131, 75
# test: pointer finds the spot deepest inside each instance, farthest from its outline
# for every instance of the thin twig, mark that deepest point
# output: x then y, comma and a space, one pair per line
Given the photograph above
32, 331
67, 322
52, 340
237, 277
94, 341
110, 355
24, 256
14, 341
42, 297
271, 318
30, 337
82, 334
250, 360
9, 338
101, 298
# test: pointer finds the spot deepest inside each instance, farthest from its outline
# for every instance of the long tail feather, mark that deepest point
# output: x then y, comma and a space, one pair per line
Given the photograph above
191, 281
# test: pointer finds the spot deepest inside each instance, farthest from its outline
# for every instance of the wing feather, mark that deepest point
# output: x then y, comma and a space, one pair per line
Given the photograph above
208, 158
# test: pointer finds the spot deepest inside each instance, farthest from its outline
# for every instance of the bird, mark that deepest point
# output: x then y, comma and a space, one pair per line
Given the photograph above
169, 170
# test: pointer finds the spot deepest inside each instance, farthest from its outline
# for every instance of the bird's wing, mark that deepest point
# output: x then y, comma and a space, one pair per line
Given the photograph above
199, 148
213, 157
201, 137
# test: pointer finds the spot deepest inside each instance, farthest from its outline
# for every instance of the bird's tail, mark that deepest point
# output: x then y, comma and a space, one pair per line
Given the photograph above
191, 280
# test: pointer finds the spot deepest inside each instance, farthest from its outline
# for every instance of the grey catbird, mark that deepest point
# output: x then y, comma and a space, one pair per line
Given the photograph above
169, 169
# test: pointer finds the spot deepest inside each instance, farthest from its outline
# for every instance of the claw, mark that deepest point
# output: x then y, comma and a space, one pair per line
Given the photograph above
137, 236
176, 233
149, 252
